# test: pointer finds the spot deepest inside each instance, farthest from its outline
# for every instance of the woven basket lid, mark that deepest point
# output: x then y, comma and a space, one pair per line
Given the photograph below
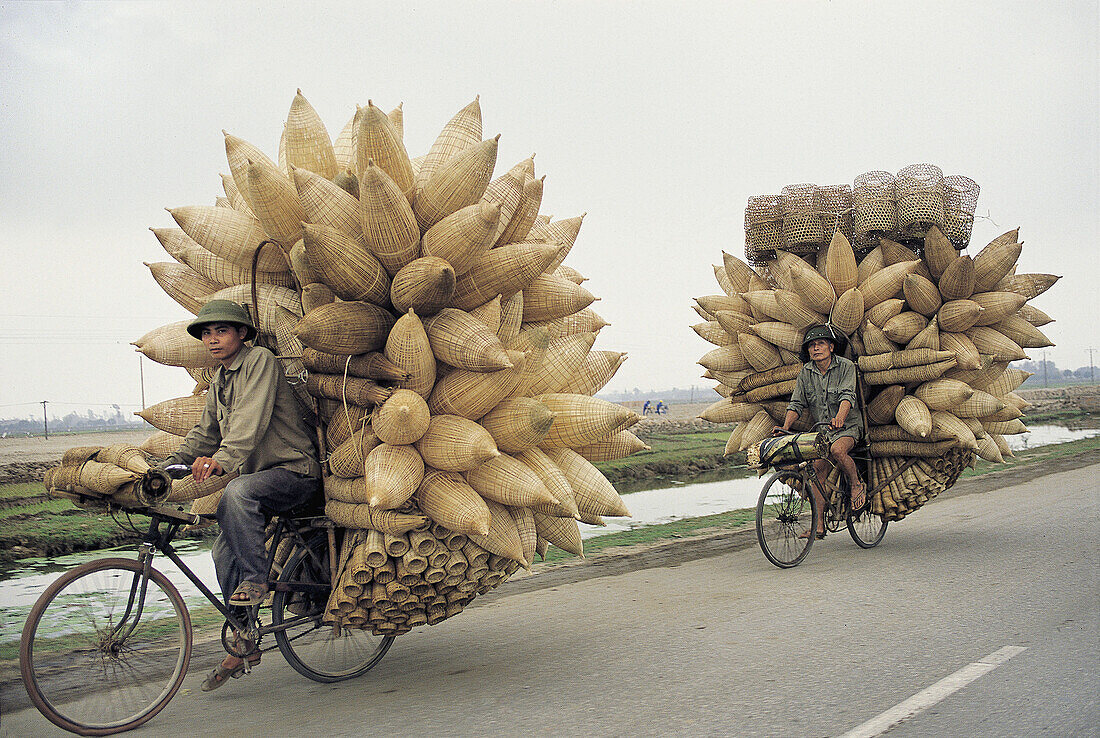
402, 419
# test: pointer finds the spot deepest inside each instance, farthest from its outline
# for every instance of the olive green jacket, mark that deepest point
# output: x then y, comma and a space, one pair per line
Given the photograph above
822, 393
252, 420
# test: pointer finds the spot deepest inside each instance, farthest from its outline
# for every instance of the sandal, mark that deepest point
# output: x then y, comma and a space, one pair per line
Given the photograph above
221, 673
859, 493
248, 594
820, 534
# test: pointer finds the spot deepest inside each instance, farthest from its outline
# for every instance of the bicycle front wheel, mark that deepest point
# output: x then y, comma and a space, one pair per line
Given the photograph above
867, 529
785, 511
96, 657
322, 652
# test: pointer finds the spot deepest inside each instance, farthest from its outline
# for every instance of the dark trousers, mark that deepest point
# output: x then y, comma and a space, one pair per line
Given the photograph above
246, 503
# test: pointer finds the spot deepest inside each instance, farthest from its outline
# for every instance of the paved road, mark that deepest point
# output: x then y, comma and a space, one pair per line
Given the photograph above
729, 645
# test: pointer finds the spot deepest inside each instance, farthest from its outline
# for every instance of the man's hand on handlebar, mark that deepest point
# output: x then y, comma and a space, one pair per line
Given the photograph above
780, 431
205, 467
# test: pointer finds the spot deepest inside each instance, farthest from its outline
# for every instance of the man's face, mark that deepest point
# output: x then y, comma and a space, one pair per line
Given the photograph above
820, 349
223, 340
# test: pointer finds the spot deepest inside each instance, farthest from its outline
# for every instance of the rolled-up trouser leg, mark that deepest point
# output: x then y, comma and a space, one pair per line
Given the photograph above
239, 554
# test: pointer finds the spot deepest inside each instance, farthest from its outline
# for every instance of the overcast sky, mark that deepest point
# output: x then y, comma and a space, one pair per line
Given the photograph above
657, 119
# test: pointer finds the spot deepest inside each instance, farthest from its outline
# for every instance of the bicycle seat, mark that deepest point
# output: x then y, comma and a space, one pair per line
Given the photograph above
314, 507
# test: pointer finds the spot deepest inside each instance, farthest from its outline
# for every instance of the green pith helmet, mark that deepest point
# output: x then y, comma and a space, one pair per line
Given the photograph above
222, 311
827, 331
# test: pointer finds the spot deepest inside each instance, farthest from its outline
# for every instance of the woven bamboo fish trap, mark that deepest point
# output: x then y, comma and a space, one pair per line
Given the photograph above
593, 493
453, 443
997, 306
548, 297
518, 424
274, 201
1021, 332
392, 474
377, 140
472, 394
346, 328
408, 348
172, 345
457, 183
509, 481
582, 321
449, 500
347, 459
921, 197
957, 280
345, 265
229, 234
388, 224
401, 419
504, 271
462, 341
580, 420
177, 416
460, 133
464, 236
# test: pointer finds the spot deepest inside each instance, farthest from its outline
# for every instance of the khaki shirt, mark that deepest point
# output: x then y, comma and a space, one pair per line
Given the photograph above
252, 420
822, 393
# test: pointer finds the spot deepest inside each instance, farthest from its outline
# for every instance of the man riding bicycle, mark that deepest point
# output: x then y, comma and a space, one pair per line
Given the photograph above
252, 425
827, 386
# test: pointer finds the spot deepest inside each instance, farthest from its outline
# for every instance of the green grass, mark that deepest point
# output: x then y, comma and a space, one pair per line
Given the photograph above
676, 529
36, 507
22, 490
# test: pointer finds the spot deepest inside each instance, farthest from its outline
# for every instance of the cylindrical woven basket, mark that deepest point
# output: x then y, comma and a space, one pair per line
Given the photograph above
763, 227
874, 203
919, 189
961, 197
803, 232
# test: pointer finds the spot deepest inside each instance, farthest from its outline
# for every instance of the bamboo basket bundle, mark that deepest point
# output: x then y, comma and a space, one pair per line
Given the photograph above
933, 331
435, 294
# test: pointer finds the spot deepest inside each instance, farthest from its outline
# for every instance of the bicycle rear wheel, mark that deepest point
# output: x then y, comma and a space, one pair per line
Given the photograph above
91, 663
866, 528
783, 515
322, 652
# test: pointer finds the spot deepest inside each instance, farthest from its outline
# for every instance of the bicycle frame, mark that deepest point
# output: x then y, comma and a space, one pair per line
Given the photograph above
163, 527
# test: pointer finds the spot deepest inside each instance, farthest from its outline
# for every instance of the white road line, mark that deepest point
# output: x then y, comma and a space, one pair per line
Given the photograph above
922, 700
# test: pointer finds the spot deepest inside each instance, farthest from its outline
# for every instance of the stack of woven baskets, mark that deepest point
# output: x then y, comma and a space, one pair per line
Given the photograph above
933, 330
423, 313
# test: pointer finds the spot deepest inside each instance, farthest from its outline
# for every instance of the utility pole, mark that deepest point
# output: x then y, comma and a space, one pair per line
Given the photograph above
45, 423
1044, 368
141, 374
1092, 374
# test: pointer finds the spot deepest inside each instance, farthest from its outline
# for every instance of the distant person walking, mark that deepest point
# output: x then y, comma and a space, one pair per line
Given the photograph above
645, 408
661, 407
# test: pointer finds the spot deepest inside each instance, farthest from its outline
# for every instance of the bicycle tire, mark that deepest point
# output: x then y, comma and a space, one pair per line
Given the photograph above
79, 674
781, 518
322, 652
866, 529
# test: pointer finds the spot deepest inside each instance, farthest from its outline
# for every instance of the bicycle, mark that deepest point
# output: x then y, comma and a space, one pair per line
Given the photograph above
107, 645
787, 509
